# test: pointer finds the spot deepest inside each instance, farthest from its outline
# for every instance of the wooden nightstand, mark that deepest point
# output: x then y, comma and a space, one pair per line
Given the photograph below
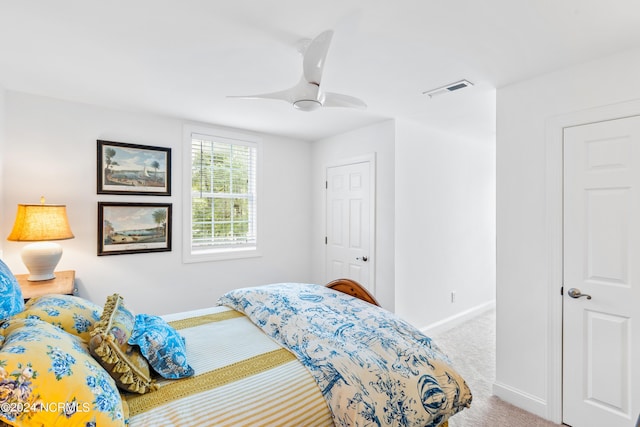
64, 283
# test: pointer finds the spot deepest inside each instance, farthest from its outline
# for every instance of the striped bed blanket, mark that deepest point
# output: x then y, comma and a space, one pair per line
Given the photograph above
242, 378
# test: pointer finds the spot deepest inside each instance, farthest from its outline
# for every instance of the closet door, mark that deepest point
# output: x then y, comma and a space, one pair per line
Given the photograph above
601, 289
350, 212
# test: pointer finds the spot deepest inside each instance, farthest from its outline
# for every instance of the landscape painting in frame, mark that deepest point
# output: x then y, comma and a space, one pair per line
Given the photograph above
125, 228
133, 169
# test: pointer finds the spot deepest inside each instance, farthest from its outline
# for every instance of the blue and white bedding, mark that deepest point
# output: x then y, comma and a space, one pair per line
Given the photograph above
373, 368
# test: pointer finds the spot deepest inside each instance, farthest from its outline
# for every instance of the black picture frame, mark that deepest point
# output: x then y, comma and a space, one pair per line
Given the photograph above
128, 228
133, 169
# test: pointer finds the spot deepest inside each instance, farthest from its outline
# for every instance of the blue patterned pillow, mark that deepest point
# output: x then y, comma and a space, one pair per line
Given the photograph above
11, 301
161, 345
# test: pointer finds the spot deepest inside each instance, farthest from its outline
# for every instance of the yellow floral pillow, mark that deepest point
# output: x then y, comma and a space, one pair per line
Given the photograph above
47, 378
70, 313
108, 344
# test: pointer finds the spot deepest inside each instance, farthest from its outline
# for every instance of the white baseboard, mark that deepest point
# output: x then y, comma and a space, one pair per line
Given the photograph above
522, 400
450, 322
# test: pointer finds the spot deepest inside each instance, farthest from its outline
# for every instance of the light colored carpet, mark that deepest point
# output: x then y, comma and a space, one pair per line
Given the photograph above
471, 348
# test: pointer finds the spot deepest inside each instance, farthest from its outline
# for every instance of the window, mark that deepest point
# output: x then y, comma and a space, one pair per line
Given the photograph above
222, 188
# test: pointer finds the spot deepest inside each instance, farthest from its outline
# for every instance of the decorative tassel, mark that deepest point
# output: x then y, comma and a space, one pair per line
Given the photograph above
108, 352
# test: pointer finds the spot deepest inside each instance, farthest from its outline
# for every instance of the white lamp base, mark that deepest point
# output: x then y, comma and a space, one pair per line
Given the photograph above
41, 259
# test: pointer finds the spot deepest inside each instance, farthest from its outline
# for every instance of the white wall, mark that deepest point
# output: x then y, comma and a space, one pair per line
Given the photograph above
378, 139
2, 143
435, 221
50, 150
445, 225
527, 373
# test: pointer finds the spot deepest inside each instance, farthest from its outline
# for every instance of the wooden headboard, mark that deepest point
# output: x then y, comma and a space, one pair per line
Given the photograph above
353, 288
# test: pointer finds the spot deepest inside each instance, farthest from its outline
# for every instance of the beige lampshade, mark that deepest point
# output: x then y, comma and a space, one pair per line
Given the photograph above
36, 223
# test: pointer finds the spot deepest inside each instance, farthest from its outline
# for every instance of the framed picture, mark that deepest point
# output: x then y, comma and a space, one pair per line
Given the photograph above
126, 228
133, 169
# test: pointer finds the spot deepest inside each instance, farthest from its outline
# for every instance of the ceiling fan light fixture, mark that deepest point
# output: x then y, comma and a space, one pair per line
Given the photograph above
307, 104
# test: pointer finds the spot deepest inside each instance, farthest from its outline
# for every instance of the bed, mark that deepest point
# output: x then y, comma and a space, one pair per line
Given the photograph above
278, 355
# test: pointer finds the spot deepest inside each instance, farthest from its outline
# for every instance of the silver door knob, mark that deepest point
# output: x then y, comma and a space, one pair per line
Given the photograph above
575, 293
363, 259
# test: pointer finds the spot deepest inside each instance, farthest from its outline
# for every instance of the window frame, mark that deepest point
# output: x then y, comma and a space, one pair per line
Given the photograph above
222, 253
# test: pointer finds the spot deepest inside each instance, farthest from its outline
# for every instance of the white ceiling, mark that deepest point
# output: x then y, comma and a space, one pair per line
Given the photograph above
182, 58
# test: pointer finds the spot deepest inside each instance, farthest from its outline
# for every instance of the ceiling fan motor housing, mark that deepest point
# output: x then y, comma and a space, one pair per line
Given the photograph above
306, 104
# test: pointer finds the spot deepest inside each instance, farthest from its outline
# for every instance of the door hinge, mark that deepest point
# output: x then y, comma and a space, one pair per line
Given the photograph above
561, 290
326, 184
325, 240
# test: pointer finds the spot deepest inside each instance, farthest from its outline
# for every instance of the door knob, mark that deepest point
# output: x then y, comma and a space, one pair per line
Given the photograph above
575, 293
363, 259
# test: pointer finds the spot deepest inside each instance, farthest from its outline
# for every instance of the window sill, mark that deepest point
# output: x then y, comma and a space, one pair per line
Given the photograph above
220, 255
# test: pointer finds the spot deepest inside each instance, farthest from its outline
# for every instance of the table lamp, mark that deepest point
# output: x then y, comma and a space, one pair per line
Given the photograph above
41, 224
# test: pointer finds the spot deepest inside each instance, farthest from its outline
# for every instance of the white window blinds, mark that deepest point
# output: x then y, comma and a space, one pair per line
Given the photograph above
223, 193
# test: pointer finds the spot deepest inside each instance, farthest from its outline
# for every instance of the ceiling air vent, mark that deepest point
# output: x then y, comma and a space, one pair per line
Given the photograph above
448, 88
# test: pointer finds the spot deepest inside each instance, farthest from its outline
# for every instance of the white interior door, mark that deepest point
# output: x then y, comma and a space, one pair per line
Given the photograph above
601, 332
350, 219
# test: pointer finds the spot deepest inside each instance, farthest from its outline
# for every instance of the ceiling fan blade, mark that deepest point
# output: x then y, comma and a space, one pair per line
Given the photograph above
288, 95
340, 100
314, 57
296, 95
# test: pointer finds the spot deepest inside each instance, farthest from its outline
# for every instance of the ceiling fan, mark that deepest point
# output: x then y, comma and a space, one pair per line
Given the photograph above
306, 95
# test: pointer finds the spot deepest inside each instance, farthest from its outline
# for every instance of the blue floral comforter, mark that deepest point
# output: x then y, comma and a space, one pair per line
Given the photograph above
373, 368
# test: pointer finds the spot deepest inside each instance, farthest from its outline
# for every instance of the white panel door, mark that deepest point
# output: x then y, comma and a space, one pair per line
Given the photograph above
601, 297
349, 219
